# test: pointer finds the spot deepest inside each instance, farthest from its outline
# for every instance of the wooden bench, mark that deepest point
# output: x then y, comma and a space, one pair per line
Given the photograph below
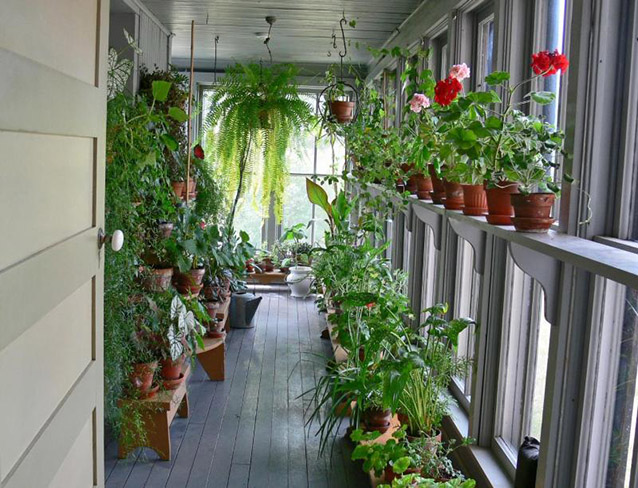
267, 278
157, 414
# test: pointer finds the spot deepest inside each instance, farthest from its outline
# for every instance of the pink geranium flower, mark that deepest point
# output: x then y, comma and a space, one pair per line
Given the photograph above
418, 102
460, 71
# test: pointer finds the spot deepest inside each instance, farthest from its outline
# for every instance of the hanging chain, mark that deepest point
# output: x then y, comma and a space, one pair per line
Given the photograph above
267, 41
215, 66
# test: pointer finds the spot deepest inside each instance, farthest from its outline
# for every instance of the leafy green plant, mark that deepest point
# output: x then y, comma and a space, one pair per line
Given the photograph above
416, 481
258, 114
377, 456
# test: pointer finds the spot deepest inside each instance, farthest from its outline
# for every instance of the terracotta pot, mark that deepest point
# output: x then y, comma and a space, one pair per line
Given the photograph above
179, 187
214, 329
142, 376
411, 182
267, 265
423, 186
438, 188
191, 277
250, 266
174, 383
165, 229
342, 110
499, 203
213, 293
189, 290
377, 419
532, 211
172, 370
192, 186
211, 308
285, 269
453, 195
158, 279
474, 200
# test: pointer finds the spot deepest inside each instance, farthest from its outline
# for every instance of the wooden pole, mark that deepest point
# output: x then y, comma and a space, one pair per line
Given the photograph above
190, 108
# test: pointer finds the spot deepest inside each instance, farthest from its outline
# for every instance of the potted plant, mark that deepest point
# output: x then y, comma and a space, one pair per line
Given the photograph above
521, 151
339, 105
188, 248
376, 457
299, 279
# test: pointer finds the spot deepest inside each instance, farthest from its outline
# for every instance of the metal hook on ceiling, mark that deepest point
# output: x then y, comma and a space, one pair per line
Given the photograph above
271, 20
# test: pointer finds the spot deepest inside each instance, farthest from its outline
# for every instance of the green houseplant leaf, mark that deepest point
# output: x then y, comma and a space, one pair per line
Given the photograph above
178, 114
318, 196
160, 90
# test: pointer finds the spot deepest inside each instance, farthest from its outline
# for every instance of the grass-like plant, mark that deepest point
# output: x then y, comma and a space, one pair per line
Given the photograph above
256, 114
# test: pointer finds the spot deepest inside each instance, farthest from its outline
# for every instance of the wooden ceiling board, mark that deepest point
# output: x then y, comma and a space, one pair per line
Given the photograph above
302, 33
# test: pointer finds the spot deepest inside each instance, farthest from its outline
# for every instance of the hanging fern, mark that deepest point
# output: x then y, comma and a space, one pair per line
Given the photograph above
257, 113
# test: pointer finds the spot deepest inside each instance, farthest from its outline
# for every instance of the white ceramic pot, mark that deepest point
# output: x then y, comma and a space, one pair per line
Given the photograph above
299, 280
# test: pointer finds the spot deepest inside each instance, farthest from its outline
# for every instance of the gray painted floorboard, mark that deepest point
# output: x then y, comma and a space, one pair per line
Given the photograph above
250, 430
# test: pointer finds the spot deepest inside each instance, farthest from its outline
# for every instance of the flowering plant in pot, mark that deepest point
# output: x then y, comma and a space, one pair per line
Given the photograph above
521, 149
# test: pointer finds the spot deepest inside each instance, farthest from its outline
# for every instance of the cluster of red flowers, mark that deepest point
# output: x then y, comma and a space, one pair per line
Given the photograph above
547, 64
446, 90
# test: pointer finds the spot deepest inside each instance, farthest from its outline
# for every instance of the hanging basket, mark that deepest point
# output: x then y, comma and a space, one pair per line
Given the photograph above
340, 111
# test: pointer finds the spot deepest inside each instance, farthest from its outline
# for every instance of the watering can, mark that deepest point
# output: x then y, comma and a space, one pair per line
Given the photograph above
243, 307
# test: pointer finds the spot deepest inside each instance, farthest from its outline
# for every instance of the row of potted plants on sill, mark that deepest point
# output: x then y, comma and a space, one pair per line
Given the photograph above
483, 152
391, 370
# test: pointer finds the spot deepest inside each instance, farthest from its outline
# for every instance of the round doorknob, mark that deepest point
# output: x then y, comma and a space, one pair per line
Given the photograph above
116, 239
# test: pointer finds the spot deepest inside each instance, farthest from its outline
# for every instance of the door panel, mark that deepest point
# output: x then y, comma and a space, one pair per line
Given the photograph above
59, 171
62, 35
52, 131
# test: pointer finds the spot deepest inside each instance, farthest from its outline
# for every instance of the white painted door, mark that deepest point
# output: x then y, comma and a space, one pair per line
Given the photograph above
52, 130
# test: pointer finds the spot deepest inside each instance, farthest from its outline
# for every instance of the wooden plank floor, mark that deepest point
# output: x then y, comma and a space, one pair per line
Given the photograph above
249, 431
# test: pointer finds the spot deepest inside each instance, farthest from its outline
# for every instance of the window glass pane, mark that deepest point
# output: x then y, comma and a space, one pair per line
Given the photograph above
443, 66
485, 50
330, 157
297, 207
467, 293
525, 343
249, 216
301, 154
622, 449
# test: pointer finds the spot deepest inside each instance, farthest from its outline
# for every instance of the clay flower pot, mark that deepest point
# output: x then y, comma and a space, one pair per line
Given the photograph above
453, 195
267, 265
410, 183
192, 186
377, 419
532, 211
189, 290
165, 229
179, 187
191, 277
158, 279
211, 308
474, 200
423, 186
141, 377
499, 203
438, 188
171, 370
342, 110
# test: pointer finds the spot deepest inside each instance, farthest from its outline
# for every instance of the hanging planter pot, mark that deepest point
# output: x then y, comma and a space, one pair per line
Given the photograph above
179, 187
342, 111
189, 283
499, 202
532, 211
474, 200
453, 195
438, 188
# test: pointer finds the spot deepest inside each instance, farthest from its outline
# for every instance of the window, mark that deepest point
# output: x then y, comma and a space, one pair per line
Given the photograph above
525, 342
484, 51
467, 292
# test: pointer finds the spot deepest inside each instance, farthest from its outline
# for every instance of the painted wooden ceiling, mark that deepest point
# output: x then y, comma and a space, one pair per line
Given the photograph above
302, 33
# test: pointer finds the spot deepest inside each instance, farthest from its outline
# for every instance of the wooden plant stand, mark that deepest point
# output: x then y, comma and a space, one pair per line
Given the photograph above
213, 356
267, 278
157, 414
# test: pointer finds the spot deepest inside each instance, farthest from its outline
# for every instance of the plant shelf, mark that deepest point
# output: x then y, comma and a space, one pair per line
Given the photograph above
268, 278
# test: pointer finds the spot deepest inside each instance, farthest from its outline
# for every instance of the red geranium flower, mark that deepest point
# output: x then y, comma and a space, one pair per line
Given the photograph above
198, 151
202, 225
370, 305
548, 64
446, 91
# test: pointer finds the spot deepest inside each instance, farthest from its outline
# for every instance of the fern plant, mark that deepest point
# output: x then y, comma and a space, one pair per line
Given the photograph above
256, 116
